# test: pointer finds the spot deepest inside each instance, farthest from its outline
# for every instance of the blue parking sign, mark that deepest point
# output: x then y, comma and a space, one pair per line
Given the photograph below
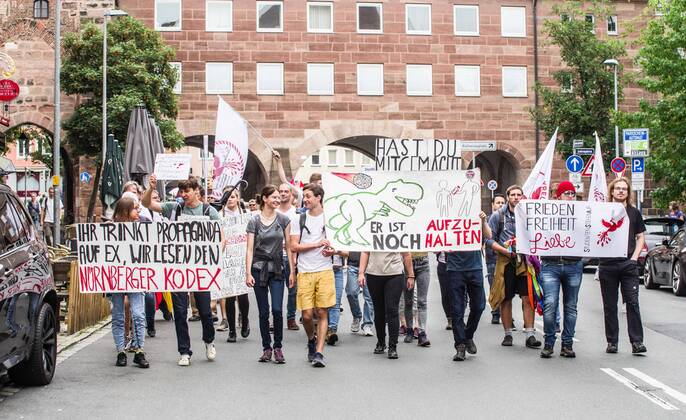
638, 165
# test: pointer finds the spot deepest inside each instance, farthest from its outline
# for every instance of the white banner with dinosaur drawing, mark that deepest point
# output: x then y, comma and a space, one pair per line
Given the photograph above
572, 228
403, 211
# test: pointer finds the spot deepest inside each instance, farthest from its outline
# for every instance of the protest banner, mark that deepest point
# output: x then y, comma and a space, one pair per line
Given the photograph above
233, 263
141, 257
230, 148
172, 167
418, 155
571, 229
403, 211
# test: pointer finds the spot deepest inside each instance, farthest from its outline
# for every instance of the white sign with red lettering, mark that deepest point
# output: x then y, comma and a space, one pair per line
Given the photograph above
233, 263
571, 229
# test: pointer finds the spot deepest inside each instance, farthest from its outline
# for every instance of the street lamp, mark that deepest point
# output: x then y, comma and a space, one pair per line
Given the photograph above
615, 65
108, 13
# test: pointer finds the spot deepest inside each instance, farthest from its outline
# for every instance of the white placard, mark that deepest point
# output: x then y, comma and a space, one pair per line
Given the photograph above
172, 167
233, 263
417, 155
571, 228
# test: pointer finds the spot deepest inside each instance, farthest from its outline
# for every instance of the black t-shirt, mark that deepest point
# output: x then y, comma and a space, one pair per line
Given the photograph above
636, 226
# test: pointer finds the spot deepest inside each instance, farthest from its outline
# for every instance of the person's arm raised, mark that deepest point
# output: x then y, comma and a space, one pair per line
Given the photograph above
146, 200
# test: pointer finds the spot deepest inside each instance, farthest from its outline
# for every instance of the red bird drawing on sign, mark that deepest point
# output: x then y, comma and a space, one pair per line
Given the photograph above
604, 236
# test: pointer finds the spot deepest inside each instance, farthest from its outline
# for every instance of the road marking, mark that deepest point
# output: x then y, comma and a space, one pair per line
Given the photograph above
640, 390
654, 382
540, 324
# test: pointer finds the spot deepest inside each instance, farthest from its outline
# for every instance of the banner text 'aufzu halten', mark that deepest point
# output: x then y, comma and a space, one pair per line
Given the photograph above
403, 211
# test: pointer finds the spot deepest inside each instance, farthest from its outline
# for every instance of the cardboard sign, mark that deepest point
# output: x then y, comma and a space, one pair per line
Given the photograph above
172, 167
417, 155
571, 228
233, 263
403, 211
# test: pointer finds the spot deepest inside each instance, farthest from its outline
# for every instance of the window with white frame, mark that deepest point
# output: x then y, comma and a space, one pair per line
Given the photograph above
315, 159
270, 78
319, 16
219, 78
590, 19
168, 15
466, 20
179, 74
23, 147
467, 81
218, 15
418, 19
369, 18
333, 157
513, 21
514, 82
269, 16
370, 79
419, 80
320, 79
349, 157
41, 9
612, 25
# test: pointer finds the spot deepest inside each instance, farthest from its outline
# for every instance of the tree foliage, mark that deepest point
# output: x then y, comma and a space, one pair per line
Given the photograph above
138, 73
662, 60
582, 102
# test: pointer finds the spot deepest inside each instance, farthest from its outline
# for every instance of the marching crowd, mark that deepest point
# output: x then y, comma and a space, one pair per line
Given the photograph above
289, 255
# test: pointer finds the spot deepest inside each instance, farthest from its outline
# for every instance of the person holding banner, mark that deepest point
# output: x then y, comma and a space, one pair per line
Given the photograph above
267, 232
622, 273
510, 276
172, 210
126, 210
556, 272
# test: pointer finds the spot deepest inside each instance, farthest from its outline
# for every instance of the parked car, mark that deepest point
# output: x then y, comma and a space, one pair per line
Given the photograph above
665, 264
28, 301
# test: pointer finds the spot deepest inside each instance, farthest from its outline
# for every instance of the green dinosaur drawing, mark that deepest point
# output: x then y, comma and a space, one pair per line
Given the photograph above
354, 210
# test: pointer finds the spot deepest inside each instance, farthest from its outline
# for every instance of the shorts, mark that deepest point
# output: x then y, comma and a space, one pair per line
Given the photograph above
316, 290
515, 284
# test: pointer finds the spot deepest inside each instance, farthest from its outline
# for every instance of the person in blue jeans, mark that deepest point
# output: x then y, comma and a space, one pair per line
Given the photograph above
335, 311
564, 272
352, 291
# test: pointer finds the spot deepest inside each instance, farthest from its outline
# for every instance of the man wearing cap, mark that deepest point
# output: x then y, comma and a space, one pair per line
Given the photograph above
556, 272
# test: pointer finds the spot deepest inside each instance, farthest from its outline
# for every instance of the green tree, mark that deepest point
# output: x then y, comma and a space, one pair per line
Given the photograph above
138, 73
662, 59
582, 102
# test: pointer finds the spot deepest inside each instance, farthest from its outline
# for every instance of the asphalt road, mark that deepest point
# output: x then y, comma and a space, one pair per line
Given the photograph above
496, 383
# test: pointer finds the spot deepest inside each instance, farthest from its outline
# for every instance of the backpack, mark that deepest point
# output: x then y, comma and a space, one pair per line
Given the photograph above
174, 216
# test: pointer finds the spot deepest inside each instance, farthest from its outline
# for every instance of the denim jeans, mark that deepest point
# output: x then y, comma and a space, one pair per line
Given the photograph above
490, 268
614, 276
471, 283
421, 283
553, 276
275, 287
352, 290
292, 291
180, 304
335, 311
137, 306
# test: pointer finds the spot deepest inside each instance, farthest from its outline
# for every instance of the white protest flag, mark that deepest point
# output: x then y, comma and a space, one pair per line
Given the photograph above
230, 148
598, 189
537, 186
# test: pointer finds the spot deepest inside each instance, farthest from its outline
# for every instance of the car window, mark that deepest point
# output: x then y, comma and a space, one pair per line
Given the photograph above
678, 238
660, 228
22, 216
12, 230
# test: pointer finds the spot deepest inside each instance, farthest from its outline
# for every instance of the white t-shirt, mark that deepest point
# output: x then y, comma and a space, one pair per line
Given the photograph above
311, 261
292, 215
49, 208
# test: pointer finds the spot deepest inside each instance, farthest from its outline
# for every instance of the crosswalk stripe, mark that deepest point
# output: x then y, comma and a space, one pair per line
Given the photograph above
636, 388
654, 382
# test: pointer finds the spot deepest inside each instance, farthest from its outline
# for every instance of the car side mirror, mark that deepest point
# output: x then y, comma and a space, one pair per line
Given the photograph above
665, 242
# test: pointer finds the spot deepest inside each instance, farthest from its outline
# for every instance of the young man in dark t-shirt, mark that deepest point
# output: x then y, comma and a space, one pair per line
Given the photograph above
622, 273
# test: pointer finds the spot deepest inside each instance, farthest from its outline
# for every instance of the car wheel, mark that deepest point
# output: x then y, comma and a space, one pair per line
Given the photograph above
39, 367
649, 276
678, 286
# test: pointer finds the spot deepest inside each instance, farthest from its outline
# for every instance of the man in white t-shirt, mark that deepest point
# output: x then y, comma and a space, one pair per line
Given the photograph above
48, 215
287, 208
315, 279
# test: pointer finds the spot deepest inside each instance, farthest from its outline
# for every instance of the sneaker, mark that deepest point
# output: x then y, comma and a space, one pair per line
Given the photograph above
232, 337
318, 360
292, 325
331, 337
210, 351
355, 326
423, 340
380, 348
215, 319
194, 318
496, 319
121, 359
460, 355
184, 360
449, 325
245, 329
367, 330
403, 330
533, 343
567, 351
507, 341
223, 326
278, 356
266, 356
611, 348
415, 333
139, 359
638, 347
547, 352
311, 349
408, 338
471, 347
392, 352
151, 333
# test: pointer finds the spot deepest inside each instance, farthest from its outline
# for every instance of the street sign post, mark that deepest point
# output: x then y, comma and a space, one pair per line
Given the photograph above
492, 185
478, 146
618, 165
637, 165
574, 178
575, 164
588, 169
636, 142
85, 177
576, 143
585, 151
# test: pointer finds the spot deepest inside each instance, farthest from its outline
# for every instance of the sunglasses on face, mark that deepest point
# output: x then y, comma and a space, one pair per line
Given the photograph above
569, 193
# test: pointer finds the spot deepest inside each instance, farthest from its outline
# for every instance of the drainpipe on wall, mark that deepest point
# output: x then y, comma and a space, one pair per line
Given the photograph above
537, 142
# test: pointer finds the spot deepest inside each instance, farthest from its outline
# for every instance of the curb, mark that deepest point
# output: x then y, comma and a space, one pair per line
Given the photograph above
69, 341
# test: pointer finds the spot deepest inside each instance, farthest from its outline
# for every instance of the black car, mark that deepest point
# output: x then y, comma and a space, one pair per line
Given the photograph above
28, 301
665, 264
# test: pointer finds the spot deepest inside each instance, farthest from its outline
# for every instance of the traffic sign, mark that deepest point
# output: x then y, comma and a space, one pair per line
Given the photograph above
575, 164
638, 181
478, 146
588, 169
636, 142
578, 186
55, 180
638, 165
575, 178
584, 151
618, 165
493, 185
85, 177
576, 143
